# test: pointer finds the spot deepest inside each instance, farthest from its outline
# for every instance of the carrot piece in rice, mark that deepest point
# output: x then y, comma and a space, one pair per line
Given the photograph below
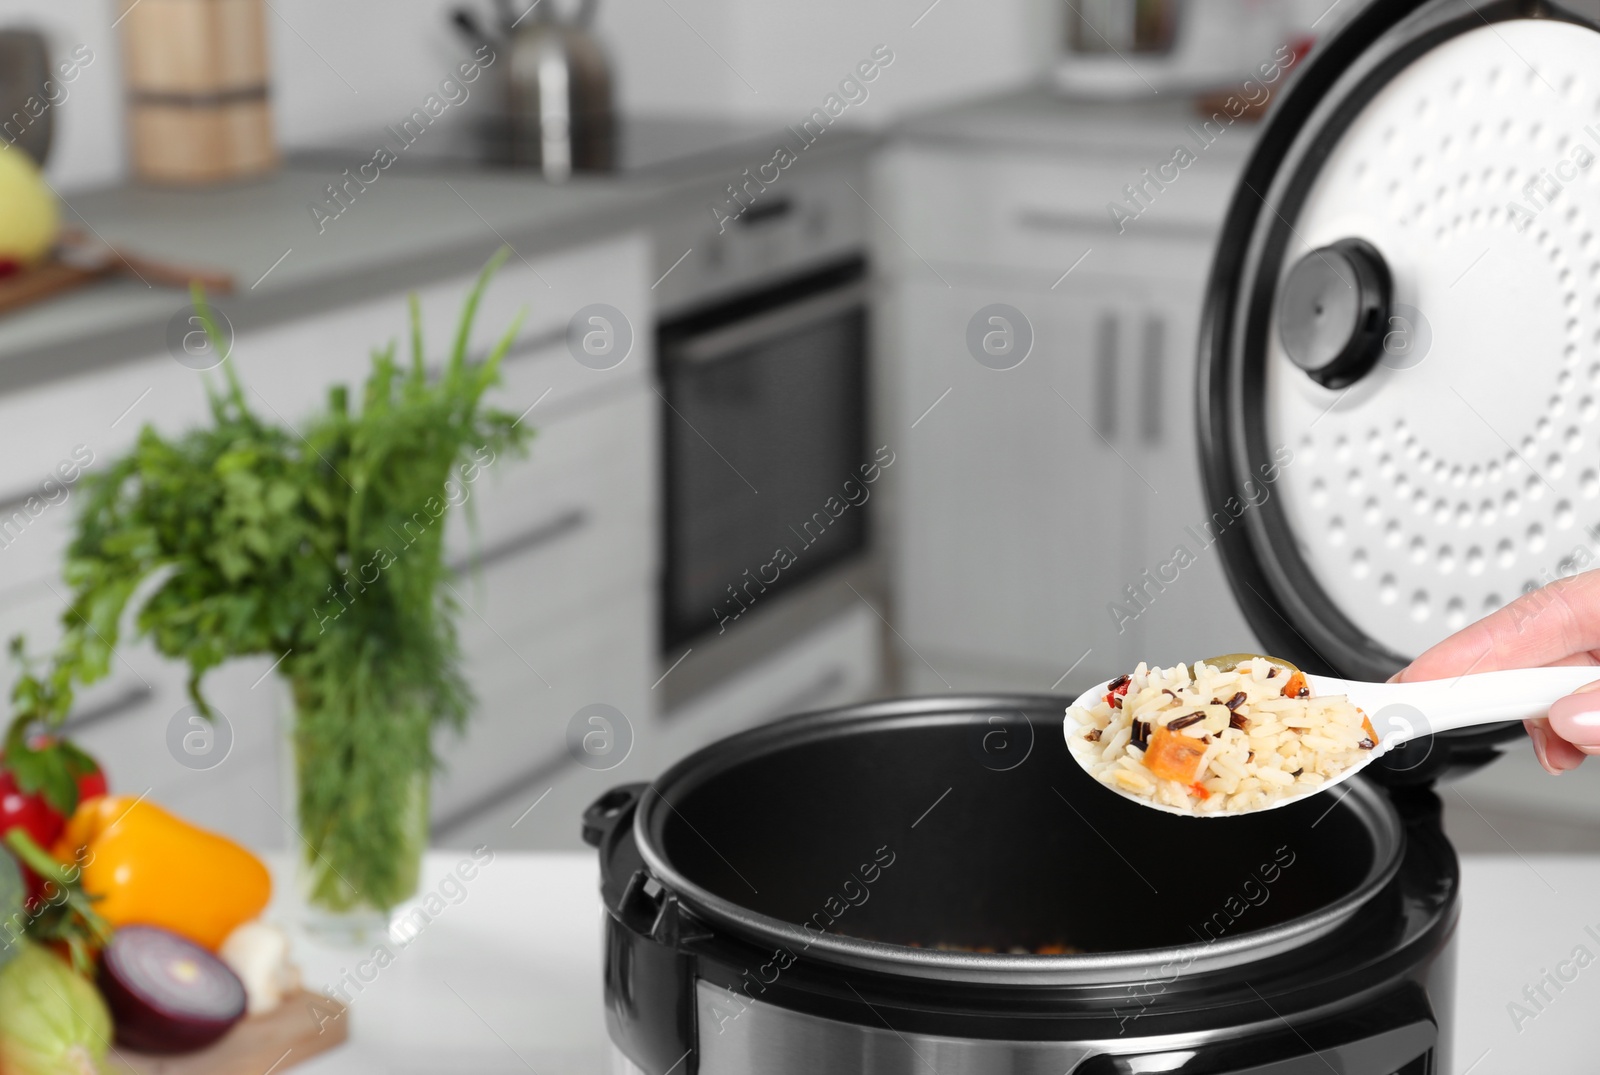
1172, 756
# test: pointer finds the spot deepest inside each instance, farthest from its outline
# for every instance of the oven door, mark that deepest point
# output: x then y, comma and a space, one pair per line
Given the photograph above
765, 446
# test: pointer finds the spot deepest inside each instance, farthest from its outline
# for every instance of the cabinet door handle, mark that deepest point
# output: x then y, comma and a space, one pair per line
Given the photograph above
1152, 384
1038, 218
126, 701
534, 346
539, 535
1105, 387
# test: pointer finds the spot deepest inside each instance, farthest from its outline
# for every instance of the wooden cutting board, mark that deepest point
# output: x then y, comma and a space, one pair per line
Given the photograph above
55, 275
44, 280
305, 1025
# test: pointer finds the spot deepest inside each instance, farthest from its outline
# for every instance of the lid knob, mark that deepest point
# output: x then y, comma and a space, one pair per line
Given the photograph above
1333, 312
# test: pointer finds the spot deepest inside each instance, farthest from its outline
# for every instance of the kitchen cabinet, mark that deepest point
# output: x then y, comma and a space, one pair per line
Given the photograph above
561, 614
564, 540
1047, 517
1004, 553
1182, 602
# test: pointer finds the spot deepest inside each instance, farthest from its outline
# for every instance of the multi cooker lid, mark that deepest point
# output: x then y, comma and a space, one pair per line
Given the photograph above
1401, 344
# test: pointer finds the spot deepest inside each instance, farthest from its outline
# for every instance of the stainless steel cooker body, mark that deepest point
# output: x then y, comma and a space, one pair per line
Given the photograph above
740, 912
773, 1039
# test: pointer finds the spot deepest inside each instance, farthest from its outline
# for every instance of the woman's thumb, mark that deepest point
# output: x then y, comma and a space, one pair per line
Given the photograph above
1576, 718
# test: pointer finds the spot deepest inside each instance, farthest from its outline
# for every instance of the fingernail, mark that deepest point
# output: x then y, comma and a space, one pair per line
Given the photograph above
1576, 718
1541, 747
1398, 676
1588, 688
1563, 755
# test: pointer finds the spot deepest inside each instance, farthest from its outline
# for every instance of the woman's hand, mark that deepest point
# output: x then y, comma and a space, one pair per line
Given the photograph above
1559, 624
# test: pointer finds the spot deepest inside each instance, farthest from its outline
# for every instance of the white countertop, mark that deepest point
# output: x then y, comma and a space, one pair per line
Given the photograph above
509, 977
1522, 916
506, 979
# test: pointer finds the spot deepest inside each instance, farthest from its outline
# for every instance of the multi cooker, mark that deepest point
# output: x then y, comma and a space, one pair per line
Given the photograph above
1405, 305
933, 886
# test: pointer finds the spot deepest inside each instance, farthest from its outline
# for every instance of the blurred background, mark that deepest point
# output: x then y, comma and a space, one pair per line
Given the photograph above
860, 346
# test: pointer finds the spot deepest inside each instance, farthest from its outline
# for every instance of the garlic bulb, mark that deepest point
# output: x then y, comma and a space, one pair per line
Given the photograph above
259, 954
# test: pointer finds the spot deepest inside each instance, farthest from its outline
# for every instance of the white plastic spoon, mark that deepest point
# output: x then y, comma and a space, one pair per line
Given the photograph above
1401, 712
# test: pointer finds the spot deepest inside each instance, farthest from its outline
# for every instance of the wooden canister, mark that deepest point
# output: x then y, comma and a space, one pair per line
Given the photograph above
198, 101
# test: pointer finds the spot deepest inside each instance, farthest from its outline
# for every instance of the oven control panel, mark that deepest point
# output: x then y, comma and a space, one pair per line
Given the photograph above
717, 241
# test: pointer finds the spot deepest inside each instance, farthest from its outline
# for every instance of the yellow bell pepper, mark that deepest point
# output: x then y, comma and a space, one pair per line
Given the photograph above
145, 867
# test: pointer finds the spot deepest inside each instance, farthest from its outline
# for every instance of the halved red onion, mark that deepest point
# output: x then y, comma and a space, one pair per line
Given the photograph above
167, 994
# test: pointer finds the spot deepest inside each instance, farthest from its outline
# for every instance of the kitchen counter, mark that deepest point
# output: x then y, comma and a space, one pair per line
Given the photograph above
418, 222
508, 978
1039, 119
402, 231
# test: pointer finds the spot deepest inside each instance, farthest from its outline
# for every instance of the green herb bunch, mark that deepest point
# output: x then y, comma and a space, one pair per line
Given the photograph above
321, 548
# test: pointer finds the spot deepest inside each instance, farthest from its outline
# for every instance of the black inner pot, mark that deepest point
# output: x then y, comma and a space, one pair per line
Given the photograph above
950, 828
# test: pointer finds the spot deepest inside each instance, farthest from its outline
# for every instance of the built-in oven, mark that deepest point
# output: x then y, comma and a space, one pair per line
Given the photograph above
766, 452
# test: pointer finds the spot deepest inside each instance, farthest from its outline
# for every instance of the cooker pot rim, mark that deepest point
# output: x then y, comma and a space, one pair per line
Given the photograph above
1372, 808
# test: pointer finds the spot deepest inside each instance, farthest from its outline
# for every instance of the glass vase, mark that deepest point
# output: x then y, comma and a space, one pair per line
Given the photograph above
331, 902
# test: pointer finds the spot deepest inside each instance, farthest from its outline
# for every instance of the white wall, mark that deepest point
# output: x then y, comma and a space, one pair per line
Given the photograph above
88, 147
352, 66
790, 56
